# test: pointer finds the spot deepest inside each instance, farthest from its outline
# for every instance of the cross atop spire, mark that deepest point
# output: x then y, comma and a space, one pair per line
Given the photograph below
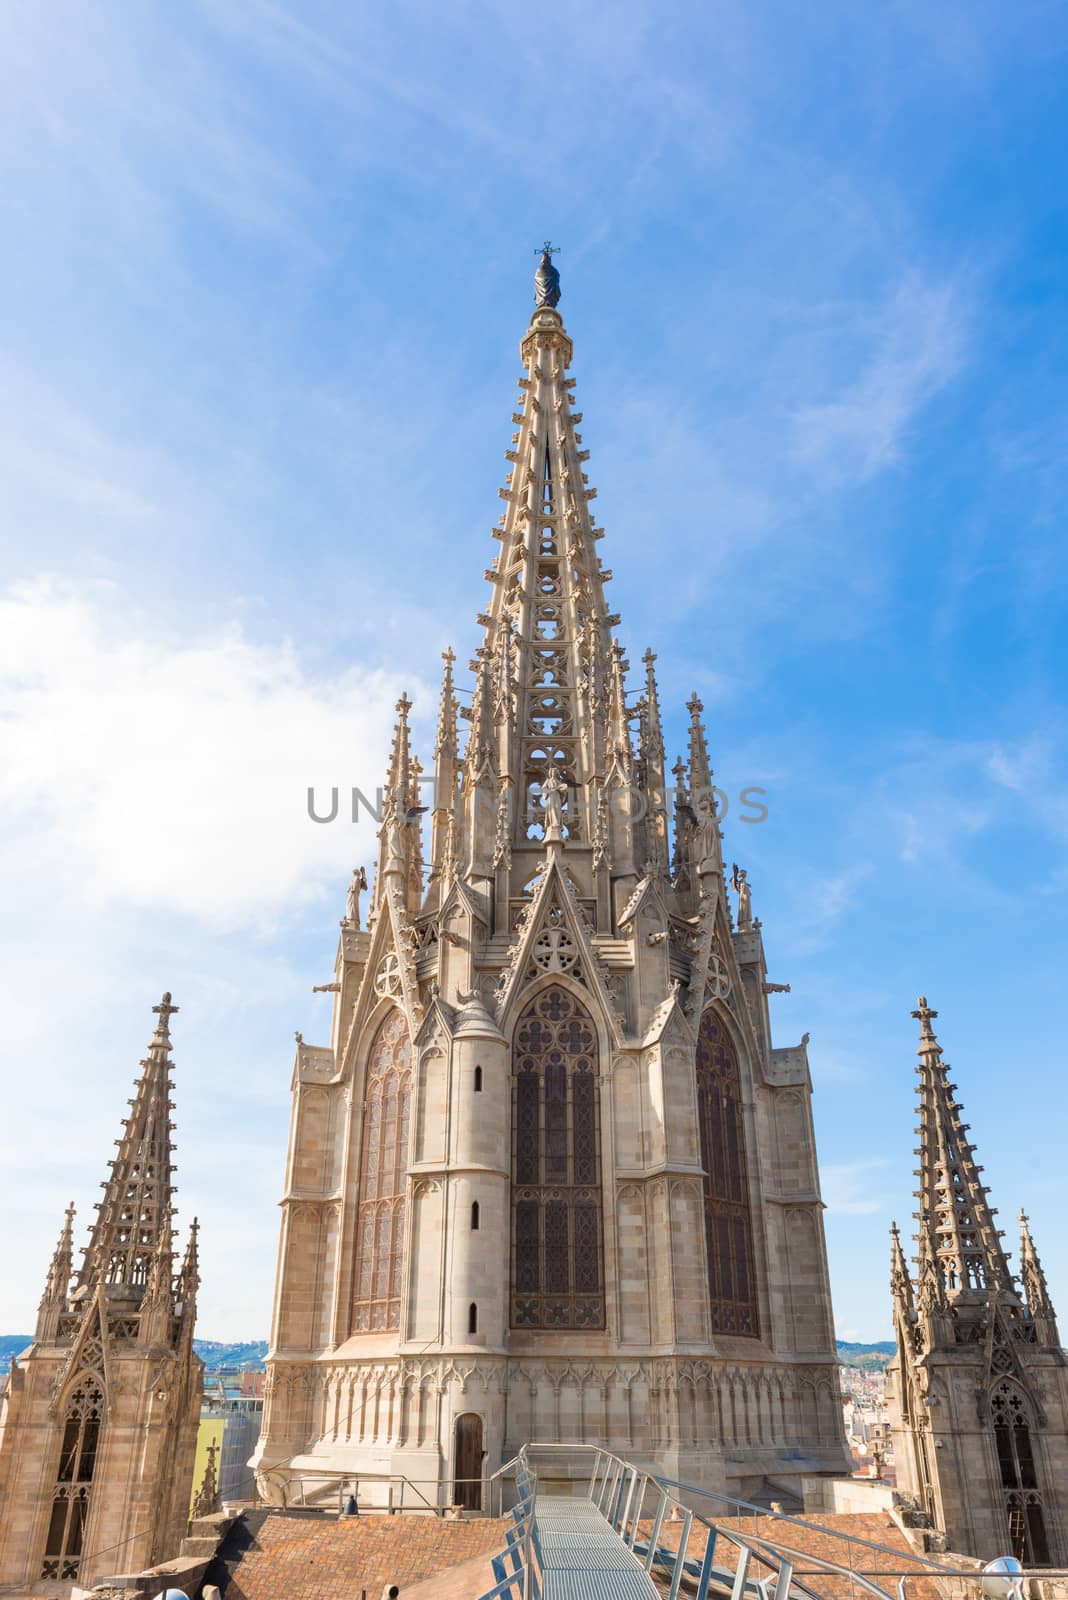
924, 1016
161, 1039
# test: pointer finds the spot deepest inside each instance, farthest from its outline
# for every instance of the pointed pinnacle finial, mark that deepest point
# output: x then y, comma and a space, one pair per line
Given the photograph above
189, 1273
700, 766
165, 1011
447, 707
547, 279
900, 1281
60, 1269
924, 1016
1036, 1290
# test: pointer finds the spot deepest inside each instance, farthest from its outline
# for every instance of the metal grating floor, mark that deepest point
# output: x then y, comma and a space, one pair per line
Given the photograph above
582, 1556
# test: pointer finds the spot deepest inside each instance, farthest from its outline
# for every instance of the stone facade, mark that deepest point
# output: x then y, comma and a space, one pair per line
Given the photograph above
978, 1389
99, 1418
550, 1179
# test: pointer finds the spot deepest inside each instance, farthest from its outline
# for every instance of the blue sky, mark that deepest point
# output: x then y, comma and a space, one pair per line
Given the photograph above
266, 268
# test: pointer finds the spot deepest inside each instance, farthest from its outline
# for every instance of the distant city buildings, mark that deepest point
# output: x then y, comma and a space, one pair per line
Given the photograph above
232, 1414
867, 1423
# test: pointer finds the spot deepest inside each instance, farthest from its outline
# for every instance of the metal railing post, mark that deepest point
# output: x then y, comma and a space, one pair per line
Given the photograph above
741, 1572
594, 1475
680, 1558
704, 1577
654, 1537
631, 1520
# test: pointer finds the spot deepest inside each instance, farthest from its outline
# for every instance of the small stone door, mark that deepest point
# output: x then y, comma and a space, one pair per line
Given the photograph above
467, 1462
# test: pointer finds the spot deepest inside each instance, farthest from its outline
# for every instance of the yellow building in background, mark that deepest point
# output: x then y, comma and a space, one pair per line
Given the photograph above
210, 1432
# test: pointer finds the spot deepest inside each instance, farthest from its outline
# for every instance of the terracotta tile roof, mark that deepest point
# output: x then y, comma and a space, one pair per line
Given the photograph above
275, 1555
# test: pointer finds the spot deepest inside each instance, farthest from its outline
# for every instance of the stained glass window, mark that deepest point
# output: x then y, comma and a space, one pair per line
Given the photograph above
74, 1478
728, 1222
376, 1293
557, 1235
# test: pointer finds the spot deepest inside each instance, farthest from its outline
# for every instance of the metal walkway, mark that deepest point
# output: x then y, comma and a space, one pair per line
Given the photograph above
581, 1555
606, 1543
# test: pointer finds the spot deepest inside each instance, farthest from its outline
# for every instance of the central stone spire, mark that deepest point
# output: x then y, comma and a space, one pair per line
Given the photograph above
547, 667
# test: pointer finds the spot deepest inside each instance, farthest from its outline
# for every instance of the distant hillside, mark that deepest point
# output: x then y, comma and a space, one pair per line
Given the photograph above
213, 1354
869, 1357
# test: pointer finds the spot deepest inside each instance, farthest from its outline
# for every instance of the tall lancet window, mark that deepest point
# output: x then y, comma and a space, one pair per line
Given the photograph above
557, 1238
376, 1293
728, 1220
74, 1481
1019, 1481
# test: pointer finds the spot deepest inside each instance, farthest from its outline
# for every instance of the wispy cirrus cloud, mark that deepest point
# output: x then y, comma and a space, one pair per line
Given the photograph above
856, 1188
908, 349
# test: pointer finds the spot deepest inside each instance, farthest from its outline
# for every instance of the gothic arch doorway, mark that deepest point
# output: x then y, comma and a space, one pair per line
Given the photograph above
467, 1461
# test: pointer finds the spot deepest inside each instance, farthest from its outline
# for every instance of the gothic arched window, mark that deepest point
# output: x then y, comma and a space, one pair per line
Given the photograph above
376, 1290
74, 1480
1019, 1481
557, 1248
728, 1221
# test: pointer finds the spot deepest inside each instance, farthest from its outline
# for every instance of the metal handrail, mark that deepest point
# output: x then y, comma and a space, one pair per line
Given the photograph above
618, 1489
323, 1481
521, 1547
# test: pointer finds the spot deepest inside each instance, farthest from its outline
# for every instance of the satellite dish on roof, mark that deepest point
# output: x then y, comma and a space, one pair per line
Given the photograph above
172, 1594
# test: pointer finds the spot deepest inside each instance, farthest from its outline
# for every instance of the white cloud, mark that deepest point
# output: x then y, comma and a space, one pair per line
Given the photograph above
173, 772
908, 350
154, 833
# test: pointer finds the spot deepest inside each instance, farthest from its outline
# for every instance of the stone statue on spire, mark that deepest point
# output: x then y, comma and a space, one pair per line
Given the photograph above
553, 791
357, 887
740, 883
546, 279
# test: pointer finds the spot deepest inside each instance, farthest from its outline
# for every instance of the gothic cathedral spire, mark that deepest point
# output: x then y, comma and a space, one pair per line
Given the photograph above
539, 1147
134, 1213
101, 1414
978, 1373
